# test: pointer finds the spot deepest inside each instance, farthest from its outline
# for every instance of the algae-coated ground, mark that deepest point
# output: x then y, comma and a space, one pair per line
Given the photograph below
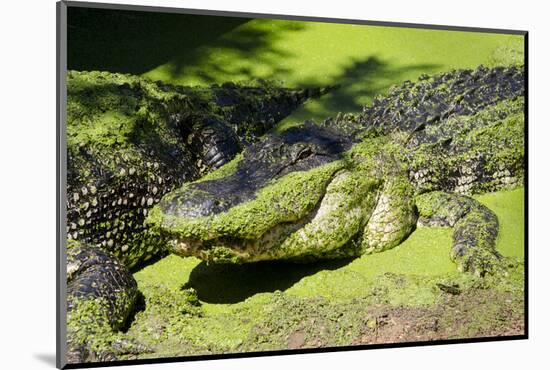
412, 292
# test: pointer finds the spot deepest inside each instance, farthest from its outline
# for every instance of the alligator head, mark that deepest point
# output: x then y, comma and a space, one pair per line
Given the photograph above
302, 194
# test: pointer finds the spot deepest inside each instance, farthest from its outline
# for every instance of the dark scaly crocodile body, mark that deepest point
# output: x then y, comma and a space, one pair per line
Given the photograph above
129, 141
352, 185
430, 111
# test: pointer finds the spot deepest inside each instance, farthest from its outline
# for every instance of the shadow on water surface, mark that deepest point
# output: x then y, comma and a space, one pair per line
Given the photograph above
196, 49
228, 283
359, 82
235, 54
136, 42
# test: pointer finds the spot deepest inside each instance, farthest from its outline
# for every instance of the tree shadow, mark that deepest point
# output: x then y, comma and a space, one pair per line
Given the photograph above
359, 82
136, 42
191, 49
228, 283
240, 51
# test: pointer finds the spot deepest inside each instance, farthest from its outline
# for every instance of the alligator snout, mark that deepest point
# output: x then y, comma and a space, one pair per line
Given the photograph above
297, 149
256, 201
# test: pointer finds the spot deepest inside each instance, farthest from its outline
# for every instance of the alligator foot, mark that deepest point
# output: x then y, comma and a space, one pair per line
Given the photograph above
101, 294
475, 230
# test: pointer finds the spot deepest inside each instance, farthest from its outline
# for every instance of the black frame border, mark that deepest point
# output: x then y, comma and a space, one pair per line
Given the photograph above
61, 196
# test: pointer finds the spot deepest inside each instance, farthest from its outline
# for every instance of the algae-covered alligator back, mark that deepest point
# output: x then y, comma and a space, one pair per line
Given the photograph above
455, 142
348, 186
131, 140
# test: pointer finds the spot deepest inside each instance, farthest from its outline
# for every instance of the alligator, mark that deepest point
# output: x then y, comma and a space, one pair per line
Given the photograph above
356, 183
130, 141
360, 184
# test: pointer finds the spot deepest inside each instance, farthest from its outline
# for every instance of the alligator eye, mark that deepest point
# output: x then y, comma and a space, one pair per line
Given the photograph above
304, 154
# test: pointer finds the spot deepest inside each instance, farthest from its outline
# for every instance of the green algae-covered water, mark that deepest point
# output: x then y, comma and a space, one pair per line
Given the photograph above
363, 60
238, 305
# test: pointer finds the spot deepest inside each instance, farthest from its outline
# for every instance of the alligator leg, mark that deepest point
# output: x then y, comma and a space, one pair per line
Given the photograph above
211, 141
101, 294
475, 229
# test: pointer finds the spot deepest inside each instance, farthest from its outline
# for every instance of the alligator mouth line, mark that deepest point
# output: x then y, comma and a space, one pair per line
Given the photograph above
226, 249
240, 249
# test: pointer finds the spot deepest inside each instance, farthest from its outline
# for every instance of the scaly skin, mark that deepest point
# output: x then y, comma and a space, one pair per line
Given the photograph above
351, 185
100, 296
